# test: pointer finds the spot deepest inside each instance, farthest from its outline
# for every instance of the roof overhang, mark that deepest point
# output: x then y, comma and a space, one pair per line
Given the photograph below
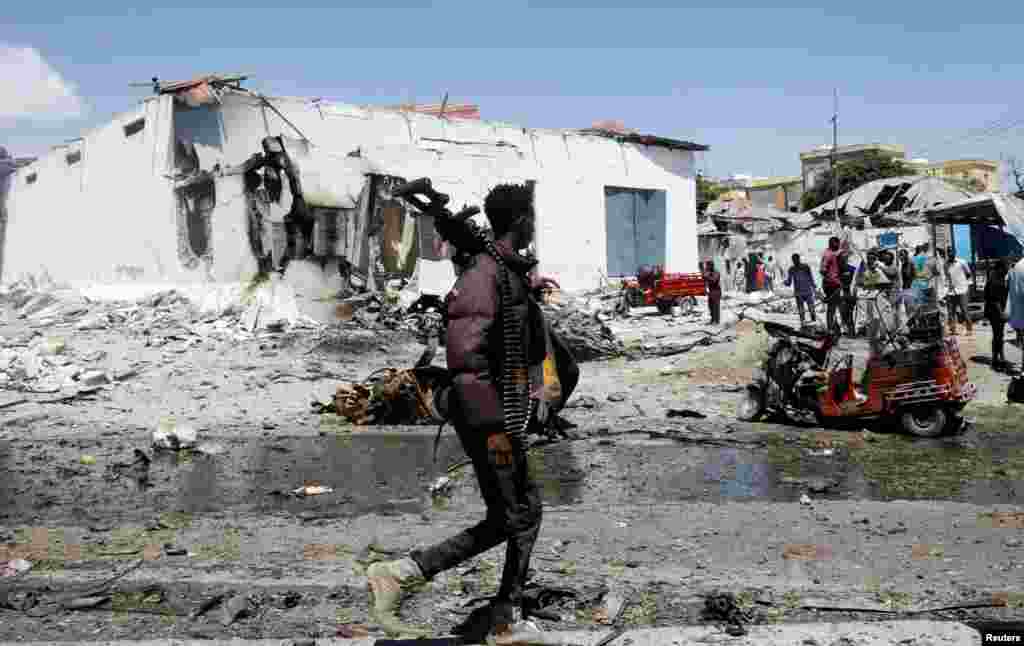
646, 140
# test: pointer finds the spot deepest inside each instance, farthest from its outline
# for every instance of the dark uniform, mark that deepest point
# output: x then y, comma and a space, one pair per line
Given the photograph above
475, 348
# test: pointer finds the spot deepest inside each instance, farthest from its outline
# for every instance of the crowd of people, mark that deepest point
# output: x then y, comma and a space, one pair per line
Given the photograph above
895, 287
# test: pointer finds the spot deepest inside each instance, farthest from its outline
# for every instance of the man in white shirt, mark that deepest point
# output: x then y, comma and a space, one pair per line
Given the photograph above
959, 291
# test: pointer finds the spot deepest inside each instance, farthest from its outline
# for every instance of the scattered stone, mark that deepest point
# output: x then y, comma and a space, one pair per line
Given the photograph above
1013, 541
234, 609
583, 401
618, 397
93, 378
211, 448
312, 490
805, 499
441, 487
173, 437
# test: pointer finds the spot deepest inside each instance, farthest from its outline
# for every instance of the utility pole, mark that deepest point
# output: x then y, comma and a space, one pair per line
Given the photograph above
835, 146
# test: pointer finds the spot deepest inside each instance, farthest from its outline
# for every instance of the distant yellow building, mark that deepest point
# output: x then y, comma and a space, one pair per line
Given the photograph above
984, 172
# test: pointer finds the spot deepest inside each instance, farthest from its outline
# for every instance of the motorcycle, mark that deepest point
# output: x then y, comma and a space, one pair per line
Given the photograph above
924, 385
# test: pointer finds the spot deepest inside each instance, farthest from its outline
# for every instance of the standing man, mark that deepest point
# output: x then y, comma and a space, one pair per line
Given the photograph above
802, 281
713, 283
1015, 304
830, 282
891, 271
927, 285
906, 286
476, 352
995, 310
848, 307
959, 292
871, 277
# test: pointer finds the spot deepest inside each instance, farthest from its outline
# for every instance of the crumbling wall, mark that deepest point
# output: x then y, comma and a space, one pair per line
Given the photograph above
467, 158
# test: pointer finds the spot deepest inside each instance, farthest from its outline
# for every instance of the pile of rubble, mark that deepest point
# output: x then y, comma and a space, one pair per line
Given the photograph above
583, 328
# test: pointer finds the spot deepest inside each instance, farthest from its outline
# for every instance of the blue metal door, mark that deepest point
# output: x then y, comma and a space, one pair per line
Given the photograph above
650, 227
635, 224
620, 212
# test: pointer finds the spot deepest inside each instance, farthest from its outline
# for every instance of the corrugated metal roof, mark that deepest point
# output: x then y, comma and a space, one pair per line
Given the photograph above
451, 110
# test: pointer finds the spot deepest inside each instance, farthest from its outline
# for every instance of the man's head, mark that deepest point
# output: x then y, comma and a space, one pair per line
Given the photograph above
886, 256
904, 254
796, 260
709, 266
872, 259
940, 253
509, 209
950, 253
833, 243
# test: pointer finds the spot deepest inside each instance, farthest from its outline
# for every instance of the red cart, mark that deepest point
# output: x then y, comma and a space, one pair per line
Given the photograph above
653, 286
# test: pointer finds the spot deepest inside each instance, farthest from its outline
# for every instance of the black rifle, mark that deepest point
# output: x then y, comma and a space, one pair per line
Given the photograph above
458, 229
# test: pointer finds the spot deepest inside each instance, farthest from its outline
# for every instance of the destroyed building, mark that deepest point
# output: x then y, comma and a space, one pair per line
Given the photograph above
882, 213
208, 182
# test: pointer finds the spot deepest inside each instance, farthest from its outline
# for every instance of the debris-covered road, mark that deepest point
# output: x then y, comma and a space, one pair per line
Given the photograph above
657, 498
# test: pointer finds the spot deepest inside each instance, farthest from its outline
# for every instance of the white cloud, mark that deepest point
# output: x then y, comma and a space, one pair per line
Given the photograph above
31, 88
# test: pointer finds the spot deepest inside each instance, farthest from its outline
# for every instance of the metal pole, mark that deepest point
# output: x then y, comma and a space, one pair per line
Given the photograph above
835, 146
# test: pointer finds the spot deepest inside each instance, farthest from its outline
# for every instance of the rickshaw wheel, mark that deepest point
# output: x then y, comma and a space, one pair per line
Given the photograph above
924, 421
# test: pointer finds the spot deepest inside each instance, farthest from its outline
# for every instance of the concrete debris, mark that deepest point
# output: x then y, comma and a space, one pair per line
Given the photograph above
211, 448
587, 336
441, 487
171, 436
312, 490
234, 609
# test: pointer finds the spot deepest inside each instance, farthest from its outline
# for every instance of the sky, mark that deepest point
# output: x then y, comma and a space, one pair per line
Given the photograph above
752, 81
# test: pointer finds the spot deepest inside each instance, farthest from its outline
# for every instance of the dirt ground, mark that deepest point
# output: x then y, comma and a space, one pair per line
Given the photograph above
641, 506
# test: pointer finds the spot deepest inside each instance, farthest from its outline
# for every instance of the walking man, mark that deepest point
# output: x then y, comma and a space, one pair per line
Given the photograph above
830, 282
713, 283
801, 280
474, 404
995, 310
958, 274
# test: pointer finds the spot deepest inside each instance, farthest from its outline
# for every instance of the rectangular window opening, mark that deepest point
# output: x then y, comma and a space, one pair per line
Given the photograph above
134, 127
73, 157
31, 178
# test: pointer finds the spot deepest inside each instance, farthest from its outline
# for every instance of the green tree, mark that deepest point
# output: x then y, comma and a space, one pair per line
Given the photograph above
708, 191
971, 184
852, 174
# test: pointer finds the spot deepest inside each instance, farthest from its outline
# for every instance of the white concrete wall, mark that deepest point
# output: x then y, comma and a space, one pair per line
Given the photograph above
117, 207
113, 208
466, 159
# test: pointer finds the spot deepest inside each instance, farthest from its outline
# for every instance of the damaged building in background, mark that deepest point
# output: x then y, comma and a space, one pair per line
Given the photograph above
208, 182
884, 213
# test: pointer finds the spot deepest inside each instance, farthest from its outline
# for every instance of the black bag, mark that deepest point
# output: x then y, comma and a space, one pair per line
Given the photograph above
1015, 393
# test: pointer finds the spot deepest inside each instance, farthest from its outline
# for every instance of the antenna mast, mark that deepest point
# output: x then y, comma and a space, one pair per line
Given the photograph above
835, 147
